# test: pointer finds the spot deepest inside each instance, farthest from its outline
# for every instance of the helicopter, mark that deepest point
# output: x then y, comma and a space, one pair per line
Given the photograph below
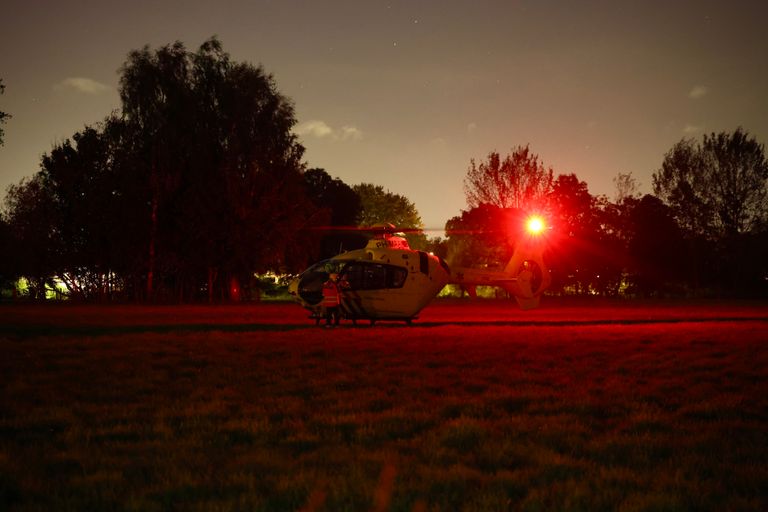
388, 280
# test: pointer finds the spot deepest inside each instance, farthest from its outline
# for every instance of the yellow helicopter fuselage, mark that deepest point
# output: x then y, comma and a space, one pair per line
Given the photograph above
386, 280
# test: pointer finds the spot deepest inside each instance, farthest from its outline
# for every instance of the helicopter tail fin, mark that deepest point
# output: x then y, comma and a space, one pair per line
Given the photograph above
520, 286
530, 272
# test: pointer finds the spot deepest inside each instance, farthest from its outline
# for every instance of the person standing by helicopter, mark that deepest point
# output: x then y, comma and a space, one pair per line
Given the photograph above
331, 300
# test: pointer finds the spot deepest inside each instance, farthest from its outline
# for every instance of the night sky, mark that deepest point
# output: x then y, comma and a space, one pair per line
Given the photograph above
404, 94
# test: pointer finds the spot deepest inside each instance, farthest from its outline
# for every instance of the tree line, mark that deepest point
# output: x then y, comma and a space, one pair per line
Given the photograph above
3, 115
197, 184
703, 232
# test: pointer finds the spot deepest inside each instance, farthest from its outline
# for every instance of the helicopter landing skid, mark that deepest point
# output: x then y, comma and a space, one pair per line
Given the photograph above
317, 317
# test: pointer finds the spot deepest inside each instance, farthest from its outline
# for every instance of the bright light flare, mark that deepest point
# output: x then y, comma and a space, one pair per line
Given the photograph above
535, 225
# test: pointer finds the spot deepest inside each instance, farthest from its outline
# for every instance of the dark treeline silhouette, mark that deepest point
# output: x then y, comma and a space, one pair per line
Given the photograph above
197, 184
703, 233
3, 115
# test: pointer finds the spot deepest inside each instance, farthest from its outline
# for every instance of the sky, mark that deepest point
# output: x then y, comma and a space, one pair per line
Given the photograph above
405, 94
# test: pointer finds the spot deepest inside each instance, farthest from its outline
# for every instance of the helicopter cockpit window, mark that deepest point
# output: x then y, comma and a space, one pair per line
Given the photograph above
311, 281
396, 277
362, 275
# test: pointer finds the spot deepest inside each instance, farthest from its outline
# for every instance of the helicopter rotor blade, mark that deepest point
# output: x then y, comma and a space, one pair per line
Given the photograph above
375, 230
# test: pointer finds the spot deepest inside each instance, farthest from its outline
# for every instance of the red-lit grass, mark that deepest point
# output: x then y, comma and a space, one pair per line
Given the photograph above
477, 407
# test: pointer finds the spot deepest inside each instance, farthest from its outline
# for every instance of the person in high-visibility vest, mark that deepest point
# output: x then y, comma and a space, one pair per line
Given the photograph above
331, 300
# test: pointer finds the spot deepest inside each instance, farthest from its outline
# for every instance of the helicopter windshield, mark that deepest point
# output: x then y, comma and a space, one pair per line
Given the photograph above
311, 280
357, 275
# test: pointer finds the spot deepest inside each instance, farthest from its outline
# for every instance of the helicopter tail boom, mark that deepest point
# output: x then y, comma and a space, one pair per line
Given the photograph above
525, 276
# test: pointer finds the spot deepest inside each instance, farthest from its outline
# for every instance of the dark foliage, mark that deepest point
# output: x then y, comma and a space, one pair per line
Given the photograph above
520, 180
380, 206
192, 188
483, 236
3, 115
717, 188
198, 184
718, 194
339, 205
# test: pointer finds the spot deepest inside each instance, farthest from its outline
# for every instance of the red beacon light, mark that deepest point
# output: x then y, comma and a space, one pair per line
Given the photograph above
535, 225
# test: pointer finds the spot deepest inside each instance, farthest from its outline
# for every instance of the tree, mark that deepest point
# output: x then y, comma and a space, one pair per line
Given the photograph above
716, 188
718, 192
77, 218
572, 207
519, 181
32, 238
586, 256
222, 167
7, 264
87, 202
626, 187
195, 185
156, 104
381, 206
339, 205
332, 194
656, 247
3, 115
483, 236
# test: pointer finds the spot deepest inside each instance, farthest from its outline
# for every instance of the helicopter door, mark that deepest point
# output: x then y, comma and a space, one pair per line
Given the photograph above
423, 262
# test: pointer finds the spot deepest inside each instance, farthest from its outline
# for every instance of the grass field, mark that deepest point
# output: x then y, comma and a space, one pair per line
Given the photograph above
478, 406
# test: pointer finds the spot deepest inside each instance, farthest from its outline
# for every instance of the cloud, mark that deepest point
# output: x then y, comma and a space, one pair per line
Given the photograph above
692, 128
81, 84
351, 133
317, 129
698, 91
471, 127
321, 129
